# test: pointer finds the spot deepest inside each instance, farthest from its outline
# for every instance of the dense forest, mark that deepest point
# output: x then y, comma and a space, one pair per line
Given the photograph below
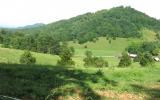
116, 22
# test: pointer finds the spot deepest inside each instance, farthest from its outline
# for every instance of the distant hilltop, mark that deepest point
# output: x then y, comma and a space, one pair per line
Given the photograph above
32, 26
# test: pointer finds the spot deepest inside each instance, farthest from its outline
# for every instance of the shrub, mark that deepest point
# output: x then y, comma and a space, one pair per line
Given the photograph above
133, 48
27, 58
66, 54
109, 41
64, 62
106, 64
146, 59
125, 60
99, 62
155, 52
107, 37
89, 60
85, 46
151, 47
158, 36
114, 38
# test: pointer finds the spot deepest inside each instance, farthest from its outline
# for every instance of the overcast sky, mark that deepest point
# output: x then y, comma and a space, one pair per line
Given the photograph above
14, 13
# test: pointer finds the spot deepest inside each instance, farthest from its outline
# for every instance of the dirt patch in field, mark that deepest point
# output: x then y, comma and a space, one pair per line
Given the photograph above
151, 90
109, 95
148, 92
121, 96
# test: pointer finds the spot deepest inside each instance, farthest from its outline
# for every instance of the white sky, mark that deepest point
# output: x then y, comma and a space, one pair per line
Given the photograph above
14, 13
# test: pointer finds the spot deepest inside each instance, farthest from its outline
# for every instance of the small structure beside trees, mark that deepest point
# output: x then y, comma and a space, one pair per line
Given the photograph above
145, 53
156, 59
132, 55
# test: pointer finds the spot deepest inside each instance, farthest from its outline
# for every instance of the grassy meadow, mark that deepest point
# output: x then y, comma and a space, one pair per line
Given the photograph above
100, 48
39, 82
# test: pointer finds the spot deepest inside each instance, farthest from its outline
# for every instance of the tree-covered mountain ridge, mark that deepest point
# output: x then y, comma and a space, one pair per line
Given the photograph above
115, 22
123, 22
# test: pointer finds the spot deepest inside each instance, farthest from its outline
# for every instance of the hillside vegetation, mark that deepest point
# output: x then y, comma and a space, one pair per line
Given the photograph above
100, 48
120, 22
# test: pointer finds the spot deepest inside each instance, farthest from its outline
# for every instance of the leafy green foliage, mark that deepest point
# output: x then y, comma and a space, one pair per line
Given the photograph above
66, 54
27, 58
89, 60
158, 36
151, 47
100, 62
125, 60
146, 59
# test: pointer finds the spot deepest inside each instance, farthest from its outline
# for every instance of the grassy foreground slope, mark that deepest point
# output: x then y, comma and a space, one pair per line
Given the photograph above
37, 82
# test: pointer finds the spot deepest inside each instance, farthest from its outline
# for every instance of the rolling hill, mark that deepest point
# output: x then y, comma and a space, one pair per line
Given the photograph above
115, 22
32, 26
122, 22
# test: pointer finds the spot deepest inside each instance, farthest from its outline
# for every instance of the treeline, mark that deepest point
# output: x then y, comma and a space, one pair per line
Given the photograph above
146, 52
116, 22
150, 47
45, 43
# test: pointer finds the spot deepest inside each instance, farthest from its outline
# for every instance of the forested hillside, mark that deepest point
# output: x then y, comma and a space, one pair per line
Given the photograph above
116, 22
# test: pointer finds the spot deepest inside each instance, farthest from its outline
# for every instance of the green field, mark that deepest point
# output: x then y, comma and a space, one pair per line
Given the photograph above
100, 48
36, 82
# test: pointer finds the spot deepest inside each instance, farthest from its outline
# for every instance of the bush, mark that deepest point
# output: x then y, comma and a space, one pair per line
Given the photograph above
64, 62
155, 52
27, 58
151, 47
106, 64
89, 60
99, 62
114, 38
146, 59
133, 48
66, 54
109, 41
125, 60
85, 46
